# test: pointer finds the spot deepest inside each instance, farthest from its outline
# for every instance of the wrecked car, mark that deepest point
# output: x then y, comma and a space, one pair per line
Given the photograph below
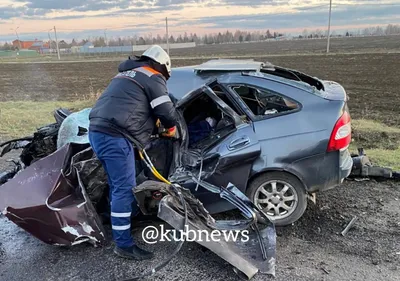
277, 134
251, 136
288, 132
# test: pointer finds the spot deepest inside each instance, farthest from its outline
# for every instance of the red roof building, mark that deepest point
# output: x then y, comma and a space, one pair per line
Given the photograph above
22, 44
32, 45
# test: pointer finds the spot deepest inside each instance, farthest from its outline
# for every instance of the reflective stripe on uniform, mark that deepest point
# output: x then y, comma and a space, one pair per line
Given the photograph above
121, 227
120, 215
147, 70
160, 100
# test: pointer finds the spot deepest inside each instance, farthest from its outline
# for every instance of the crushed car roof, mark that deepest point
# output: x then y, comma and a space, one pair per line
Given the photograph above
232, 65
188, 78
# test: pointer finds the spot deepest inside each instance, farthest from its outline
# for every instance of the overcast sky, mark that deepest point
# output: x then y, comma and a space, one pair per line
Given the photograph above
81, 18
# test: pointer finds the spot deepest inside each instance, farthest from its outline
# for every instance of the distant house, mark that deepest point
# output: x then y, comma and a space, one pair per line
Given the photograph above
86, 47
63, 45
75, 49
22, 44
36, 45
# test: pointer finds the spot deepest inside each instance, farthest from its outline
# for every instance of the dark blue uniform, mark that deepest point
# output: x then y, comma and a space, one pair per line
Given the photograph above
133, 101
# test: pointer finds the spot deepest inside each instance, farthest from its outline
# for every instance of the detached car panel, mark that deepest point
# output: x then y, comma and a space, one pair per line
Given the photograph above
51, 205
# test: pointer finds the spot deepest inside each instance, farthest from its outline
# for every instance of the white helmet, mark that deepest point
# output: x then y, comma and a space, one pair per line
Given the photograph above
158, 54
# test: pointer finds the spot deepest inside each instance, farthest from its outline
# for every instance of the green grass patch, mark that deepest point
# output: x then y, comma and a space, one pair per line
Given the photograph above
18, 119
21, 118
372, 126
380, 142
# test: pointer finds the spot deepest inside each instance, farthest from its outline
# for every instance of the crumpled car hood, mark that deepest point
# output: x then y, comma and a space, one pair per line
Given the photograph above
50, 204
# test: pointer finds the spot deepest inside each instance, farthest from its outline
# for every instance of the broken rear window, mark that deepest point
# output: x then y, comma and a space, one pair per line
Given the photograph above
264, 102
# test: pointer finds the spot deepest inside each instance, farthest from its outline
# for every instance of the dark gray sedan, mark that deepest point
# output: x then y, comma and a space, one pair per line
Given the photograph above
277, 134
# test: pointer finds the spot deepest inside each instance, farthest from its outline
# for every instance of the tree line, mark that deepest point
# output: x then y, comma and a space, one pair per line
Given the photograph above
239, 36
390, 29
212, 38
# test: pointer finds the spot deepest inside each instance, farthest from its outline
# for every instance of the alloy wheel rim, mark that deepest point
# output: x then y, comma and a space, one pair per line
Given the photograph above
278, 199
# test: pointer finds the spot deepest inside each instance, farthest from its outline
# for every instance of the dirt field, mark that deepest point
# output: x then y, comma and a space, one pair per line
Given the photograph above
312, 249
370, 80
316, 46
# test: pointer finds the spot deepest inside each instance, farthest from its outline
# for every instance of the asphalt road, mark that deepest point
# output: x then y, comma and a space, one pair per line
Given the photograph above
23, 257
312, 249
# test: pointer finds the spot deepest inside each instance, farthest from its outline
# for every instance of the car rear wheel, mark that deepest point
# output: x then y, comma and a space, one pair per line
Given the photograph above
280, 195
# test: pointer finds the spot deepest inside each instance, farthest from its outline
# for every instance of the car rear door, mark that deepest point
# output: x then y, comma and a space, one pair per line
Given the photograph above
233, 155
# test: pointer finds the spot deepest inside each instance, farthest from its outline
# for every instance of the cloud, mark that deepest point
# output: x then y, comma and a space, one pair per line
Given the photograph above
343, 15
252, 3
125, 12
99, 5
9, 12
295, 13
77, 5
32, 9
175, 2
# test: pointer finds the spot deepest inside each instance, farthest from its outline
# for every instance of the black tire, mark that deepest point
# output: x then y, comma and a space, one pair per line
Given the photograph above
297, 209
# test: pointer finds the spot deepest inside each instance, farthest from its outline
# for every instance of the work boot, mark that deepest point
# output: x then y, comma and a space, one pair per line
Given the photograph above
133, 253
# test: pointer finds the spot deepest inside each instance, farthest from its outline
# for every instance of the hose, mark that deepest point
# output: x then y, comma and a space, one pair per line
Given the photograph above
152, 271
143, 155
151, 167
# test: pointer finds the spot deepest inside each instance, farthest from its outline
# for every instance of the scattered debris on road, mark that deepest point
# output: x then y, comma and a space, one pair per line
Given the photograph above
364, 170
349, 226
324, 270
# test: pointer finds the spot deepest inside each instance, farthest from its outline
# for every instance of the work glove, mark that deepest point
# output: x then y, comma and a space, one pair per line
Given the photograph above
170, 133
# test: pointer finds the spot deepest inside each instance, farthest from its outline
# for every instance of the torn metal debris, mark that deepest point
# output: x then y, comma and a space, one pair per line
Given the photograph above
57, 195
349, 226
362, 167
257, 255
48, 200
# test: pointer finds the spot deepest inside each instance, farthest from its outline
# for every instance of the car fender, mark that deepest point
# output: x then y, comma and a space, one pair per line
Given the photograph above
285, 169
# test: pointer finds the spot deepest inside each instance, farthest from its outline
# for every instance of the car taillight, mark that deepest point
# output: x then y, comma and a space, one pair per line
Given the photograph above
341, 134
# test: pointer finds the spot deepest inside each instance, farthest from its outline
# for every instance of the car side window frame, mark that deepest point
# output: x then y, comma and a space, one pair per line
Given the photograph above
237, 108
237, 101
255, 117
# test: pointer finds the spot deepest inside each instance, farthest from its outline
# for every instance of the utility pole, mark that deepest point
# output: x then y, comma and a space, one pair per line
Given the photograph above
16, 33
58, 50
19, 41
329, 27
166, 27
48, 33
105, 37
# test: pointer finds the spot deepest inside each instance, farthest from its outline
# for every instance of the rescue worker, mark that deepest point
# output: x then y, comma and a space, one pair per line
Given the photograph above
134, 101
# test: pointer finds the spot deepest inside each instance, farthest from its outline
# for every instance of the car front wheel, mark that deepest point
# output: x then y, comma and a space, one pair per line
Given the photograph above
280, 195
